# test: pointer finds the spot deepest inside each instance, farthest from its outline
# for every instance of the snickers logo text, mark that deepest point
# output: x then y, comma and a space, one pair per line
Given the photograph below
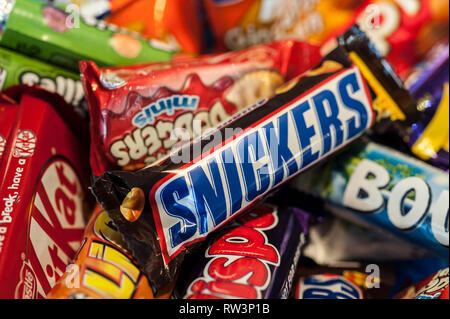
207, 192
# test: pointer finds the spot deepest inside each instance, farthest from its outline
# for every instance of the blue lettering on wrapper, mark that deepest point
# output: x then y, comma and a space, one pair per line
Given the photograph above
157, 107
166, 105
170, 196
328, 121
304, 133
280, 154
139, 120
251, 150
353, 104
335, 288
232, 179
209, 195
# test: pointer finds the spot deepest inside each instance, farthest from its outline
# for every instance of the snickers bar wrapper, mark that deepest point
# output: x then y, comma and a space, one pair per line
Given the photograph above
164, 209
43, 197
266, 243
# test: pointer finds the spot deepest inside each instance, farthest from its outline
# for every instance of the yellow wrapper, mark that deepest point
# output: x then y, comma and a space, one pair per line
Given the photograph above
103, 269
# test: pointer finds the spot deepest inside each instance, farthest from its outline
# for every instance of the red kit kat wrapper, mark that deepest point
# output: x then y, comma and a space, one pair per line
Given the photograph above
8, 109
43, 195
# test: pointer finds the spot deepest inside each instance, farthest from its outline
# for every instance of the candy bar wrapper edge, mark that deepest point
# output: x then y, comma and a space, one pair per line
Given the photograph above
47, 171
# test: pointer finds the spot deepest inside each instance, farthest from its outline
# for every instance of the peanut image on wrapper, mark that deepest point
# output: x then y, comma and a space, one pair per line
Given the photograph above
133, 204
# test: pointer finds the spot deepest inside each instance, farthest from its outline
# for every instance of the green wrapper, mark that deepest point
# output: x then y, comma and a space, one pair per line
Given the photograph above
16, 69
64, 38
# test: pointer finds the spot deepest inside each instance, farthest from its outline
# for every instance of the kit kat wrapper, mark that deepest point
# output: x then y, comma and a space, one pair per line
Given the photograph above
44, 179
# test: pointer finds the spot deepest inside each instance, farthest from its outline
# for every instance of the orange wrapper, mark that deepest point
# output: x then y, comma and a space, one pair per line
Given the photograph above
177, 23
103, 269
403, 31
244, 23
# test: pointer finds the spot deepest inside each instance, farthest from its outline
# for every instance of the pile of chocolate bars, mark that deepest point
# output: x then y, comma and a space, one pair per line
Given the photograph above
206, 149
